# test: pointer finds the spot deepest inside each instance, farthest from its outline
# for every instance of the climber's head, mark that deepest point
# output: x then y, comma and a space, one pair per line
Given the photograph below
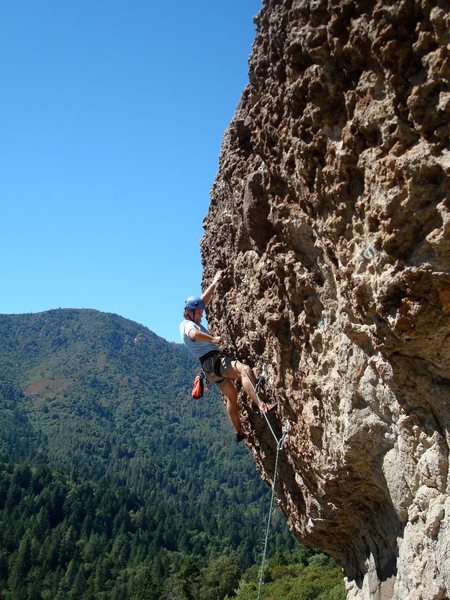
194, 302
193, 308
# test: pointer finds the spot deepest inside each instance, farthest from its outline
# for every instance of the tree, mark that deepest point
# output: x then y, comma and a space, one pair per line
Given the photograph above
220, 578
79, 585
22, 475
20, 567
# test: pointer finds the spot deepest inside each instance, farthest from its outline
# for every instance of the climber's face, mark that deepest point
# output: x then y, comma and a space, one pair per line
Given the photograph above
197, 317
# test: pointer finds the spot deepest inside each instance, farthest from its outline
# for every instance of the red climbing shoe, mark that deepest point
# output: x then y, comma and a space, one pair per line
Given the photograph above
266, 408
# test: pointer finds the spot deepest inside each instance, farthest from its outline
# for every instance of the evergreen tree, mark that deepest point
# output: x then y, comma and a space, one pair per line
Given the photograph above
21, 563
220, 578
79, 585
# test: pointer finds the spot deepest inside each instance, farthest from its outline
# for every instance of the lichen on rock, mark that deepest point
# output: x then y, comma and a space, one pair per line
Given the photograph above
331, 213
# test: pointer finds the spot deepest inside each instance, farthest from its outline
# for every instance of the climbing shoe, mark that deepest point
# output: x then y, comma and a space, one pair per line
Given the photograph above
267, 407
239, 437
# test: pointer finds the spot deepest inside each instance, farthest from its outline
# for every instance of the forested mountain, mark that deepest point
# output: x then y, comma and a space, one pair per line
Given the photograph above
102, 387
97, 408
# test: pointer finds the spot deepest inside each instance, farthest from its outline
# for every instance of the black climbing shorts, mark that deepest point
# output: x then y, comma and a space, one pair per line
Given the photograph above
215, 365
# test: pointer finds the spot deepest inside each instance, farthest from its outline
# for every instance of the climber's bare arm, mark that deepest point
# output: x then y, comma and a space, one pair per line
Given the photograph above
201, 336
207, 294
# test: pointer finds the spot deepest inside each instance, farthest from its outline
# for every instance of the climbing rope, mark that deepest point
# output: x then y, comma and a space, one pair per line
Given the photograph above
269, 518
279, 442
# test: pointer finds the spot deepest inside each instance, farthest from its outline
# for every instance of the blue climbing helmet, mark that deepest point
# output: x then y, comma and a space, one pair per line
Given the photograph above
193, 302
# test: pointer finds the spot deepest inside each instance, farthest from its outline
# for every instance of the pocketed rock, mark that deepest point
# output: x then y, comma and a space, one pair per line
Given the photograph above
331, 213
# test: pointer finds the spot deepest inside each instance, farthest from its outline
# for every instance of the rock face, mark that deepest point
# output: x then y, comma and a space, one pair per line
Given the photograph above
331, 212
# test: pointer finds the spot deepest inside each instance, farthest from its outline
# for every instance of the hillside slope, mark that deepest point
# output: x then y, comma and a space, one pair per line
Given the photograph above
90, 380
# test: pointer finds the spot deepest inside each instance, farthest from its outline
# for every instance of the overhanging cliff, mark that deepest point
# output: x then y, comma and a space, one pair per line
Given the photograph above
331, 212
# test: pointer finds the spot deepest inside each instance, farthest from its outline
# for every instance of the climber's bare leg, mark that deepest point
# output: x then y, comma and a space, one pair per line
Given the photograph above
227, 388
245, 375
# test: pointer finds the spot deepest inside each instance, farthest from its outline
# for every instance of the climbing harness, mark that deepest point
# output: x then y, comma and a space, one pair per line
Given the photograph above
214, 365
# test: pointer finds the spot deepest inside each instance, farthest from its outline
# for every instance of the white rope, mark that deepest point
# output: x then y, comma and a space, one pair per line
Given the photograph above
260, 404
269, 518
279, 443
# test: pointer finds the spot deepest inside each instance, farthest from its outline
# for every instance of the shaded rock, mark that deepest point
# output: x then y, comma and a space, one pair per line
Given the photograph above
256, 210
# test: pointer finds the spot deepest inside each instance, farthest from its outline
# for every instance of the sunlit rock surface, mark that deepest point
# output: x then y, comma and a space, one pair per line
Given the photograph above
331, 212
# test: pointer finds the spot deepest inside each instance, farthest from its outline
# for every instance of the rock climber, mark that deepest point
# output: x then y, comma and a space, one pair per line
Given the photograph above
218, 367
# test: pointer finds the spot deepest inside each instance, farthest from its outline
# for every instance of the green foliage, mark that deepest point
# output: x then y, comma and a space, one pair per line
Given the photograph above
67, 538
108, 400
319, 579
58, 537
114, 483
220, 578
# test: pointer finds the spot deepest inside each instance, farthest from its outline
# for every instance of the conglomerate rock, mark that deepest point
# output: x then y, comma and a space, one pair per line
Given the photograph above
331, 212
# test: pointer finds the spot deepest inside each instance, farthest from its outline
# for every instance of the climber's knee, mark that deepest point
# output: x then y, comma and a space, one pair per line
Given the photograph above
243, 370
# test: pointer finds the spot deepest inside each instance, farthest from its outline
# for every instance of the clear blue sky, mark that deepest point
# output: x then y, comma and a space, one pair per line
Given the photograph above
111, 119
